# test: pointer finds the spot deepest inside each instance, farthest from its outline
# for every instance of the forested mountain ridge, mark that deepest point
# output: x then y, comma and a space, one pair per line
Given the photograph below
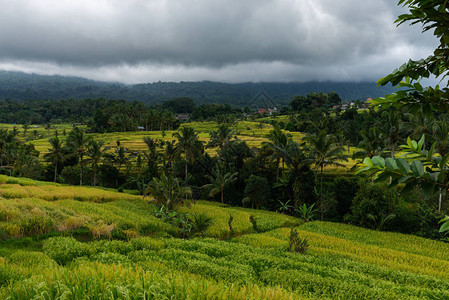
22, 86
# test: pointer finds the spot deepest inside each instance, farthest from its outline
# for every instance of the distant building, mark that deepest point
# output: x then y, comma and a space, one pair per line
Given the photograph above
269, 111
346, 106
182, 117
272, 110
140, 128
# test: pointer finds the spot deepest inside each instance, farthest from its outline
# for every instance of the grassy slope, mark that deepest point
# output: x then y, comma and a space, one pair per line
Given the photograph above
342, 262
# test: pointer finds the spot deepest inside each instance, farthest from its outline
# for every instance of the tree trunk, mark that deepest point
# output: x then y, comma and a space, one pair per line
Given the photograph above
277, 170
95, 176
56, 171
118, 174
283, 166
185, 153
321, 194
221, 195
440, 198
81, 170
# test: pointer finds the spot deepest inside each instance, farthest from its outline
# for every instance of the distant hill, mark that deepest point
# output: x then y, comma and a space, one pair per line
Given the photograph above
22, 86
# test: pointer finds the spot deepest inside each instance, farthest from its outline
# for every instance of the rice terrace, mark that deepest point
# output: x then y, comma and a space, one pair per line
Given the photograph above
307, 170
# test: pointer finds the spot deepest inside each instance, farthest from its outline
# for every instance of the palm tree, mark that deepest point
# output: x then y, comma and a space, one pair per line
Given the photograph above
152, 155
188, 144
419, 125
78, 141
324, 151
167, 191
371, 143
221, 138
219, 181
297, 163
392, 128
24, 158
9, 146
119, 158
25, 127
169, 155
150, 118
55, 154
47, 126
3, 142
171, 120
278, 141
95, 154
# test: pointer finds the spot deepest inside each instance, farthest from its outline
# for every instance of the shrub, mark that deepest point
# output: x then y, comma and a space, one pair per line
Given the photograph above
429, 225
200, 223
231, 230
373, 199
344, 190
297, 244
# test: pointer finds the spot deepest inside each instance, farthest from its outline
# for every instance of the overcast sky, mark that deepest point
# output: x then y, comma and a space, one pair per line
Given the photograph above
134, 41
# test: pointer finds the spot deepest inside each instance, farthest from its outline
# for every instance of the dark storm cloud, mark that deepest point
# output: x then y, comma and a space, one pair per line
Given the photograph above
134, 41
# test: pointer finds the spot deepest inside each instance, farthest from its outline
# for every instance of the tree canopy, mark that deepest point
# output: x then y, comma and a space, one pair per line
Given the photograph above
432, 16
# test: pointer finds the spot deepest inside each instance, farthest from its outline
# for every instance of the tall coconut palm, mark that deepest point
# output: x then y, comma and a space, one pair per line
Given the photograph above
222, 137
152, 154
278, 141
324, 151
25, 127
297, 163
55, 154
119, 158
95, 153
392, 127
219, 181
78, 141
187, 144
169, 155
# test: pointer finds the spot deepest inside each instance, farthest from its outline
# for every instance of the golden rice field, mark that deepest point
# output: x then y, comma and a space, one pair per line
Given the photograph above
30, 207
62, 242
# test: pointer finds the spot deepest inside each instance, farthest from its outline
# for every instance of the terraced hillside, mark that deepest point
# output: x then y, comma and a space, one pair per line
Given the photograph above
65, 242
